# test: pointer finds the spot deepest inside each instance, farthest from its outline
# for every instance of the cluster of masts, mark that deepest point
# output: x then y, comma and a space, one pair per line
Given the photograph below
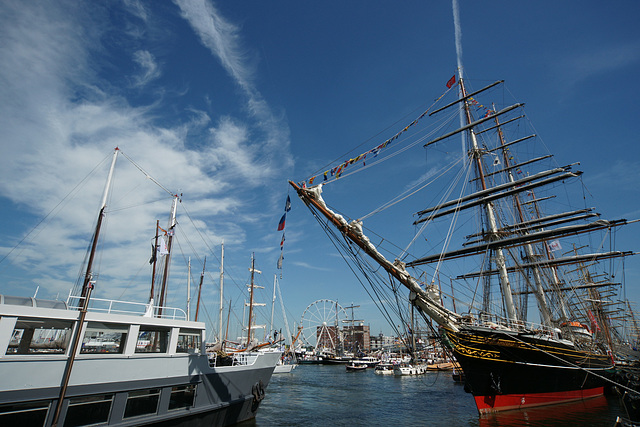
531, 234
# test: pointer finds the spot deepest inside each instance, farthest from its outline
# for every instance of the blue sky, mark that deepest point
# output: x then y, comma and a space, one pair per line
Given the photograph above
223, 102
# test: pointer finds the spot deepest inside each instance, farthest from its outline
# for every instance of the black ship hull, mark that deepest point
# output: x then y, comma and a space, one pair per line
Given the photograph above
506, 370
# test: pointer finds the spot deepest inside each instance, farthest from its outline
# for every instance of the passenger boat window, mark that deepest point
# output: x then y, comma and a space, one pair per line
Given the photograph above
152, 340
87, 410
189, 341
142, 402
182, 396
40, 336
24, 414
104, 338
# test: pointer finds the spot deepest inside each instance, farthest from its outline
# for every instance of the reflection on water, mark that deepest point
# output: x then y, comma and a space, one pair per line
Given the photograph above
317, 395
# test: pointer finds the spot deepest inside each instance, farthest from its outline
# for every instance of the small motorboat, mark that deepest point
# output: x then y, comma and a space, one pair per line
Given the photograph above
354, 366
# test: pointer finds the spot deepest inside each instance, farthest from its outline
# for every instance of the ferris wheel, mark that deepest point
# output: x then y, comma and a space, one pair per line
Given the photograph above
320, 322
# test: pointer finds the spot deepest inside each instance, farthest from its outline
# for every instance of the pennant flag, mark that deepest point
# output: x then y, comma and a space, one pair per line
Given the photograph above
555, 245
162, 247
287, 205
153, 254
280, 261
451, 81
337, 171
282, 241
281, 223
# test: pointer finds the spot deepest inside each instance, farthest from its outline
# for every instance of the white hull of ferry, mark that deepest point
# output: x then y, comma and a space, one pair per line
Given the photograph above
173, 384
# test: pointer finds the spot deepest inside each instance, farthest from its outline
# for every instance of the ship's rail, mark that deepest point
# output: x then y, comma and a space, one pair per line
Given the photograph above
245, 358
237, 359
102, 305
498, 322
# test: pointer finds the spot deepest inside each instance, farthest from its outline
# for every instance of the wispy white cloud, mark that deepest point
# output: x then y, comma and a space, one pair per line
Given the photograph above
223, 39
136, 8
59, 118
149, 68
602, 59
308, 266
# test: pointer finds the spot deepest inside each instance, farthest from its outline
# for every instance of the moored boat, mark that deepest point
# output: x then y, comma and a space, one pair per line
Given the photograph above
513, 255
92, 361
131, 379
370, 361
383, 368
404, 368
355, 366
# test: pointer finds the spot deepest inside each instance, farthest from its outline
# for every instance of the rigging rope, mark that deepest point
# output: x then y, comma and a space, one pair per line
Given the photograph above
152, 179
346, 250
62, 202
388, 127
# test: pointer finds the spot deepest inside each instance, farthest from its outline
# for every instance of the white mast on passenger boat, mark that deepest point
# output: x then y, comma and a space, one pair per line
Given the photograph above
87, 287
221, 290
189, 290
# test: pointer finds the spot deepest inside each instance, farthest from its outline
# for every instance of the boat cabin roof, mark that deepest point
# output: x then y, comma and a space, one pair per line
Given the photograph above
32, 302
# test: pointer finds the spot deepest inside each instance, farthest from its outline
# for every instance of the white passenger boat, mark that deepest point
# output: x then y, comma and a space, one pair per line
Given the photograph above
170, 380
90, 361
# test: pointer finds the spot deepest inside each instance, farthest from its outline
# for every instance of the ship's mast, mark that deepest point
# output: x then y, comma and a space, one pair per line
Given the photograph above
251, 303
221, 289
273, 303
189, 290
87, 288
103, 206
200, 288
155, 261
499, 257
531, 256
171, 230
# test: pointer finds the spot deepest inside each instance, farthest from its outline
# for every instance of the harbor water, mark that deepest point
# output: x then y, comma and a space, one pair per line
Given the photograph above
322, 395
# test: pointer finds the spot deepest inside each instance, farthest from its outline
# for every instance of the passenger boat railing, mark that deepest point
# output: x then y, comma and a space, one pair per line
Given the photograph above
102, 305
244, 358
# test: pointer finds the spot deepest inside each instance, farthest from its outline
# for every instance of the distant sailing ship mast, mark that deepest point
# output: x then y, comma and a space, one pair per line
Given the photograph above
250, 325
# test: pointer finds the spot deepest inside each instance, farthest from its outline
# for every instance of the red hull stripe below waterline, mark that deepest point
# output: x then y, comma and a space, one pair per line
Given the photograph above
505, 402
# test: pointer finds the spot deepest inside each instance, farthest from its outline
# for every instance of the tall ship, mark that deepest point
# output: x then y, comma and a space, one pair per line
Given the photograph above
93, 361
490, 247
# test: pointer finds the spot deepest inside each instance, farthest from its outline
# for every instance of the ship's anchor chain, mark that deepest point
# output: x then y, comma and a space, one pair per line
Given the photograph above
258, 394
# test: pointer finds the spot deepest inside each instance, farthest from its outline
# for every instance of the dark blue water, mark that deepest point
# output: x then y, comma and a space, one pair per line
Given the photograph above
319, 395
